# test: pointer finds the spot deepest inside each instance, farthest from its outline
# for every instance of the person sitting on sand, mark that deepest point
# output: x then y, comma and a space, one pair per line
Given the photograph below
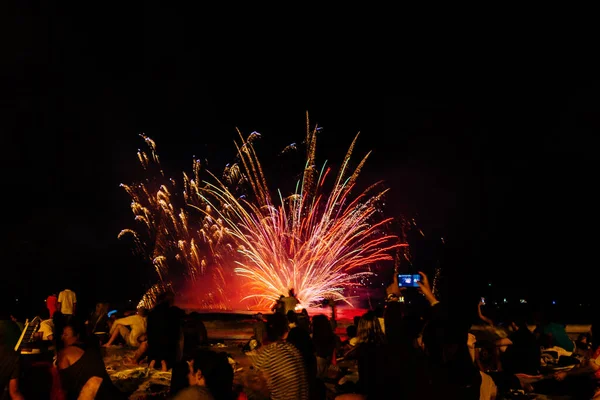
129, 328
98, 320
81, 367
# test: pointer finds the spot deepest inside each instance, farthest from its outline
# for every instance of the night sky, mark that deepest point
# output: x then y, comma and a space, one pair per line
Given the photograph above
499, 163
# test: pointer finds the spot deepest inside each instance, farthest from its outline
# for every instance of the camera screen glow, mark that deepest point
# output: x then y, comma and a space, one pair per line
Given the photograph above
408, 280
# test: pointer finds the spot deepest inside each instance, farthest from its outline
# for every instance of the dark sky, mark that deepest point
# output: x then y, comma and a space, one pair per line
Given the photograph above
499, 161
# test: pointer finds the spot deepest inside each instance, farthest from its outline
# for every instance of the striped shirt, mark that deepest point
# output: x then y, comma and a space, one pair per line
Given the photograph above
284, 367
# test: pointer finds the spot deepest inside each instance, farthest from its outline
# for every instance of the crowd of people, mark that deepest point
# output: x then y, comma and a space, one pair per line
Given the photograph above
76, 345
399, 352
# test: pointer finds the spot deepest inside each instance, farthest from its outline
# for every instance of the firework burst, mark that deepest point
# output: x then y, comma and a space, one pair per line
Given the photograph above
319, 240
173, 236
315, 241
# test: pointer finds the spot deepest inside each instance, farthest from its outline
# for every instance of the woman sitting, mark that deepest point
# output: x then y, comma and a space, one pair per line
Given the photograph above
81, 367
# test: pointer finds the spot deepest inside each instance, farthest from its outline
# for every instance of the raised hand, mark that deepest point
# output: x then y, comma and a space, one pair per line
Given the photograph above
425, 288
393, 288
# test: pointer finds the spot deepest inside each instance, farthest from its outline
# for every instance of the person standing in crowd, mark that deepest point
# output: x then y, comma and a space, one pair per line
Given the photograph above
278, 306
281, 362
52, 304
304, 320
9, 358
259, 329
67, 303
290, 302
165, 322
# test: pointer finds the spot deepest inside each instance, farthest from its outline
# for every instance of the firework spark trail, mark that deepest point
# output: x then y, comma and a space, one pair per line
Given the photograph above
311, 242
